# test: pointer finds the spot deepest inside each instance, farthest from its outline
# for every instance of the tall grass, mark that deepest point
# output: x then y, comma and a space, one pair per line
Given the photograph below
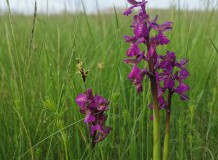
39, 82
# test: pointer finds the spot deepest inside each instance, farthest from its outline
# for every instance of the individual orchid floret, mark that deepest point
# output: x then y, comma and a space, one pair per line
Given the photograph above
135, 60
133, 50
137, 75
181, 90
94, 107
135, 4
166, 26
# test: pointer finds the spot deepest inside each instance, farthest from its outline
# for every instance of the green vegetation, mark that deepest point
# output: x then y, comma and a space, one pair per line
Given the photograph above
39, 118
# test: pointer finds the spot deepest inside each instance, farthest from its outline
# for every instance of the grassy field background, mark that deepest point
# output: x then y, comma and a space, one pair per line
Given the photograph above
39, 118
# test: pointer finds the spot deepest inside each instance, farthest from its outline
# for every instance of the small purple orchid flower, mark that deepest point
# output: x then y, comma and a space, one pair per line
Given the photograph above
94, 107
170, 78
137, 76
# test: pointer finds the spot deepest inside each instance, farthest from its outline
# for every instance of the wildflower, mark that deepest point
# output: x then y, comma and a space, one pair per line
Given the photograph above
94, 107
166, 74
168, 65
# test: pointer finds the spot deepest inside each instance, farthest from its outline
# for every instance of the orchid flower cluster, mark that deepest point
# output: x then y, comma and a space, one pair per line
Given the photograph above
94, 107
164, 66
166, 74
173, 74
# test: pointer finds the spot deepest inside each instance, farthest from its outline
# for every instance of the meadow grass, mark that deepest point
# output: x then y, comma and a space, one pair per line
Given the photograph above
39, 118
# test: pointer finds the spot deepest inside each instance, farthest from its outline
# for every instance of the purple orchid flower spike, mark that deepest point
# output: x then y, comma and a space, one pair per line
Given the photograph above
166, 74
94, 107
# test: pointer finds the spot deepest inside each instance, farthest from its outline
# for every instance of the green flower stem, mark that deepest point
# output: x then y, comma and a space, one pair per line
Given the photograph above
156, 113
156, 121
167, 127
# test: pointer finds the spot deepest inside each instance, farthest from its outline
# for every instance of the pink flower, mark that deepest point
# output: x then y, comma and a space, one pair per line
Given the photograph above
94, 107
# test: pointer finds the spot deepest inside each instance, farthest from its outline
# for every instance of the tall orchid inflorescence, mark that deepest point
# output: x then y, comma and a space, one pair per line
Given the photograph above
94, 107
166, 74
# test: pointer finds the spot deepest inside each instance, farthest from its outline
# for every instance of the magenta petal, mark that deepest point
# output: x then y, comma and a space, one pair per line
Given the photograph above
171, 56
89, 93
129, 39
141, 30
184, 74
138, 30
128, 12
165, 26
134, 60
169, 83
100, 137
168, 62
89, 118
81, 100
183, 62
133, 2
101, 103
162, 102
162, 39
136, 76
140, 40
133, 51
95, 128
182, 88
100, 100
135, 73
162, 27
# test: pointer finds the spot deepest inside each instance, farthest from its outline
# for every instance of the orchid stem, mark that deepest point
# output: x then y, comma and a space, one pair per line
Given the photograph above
156, 121
167, 127
156, 112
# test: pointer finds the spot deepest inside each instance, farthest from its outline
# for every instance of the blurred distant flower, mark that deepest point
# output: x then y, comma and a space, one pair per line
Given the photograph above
81, 70
100, 65
94, 107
